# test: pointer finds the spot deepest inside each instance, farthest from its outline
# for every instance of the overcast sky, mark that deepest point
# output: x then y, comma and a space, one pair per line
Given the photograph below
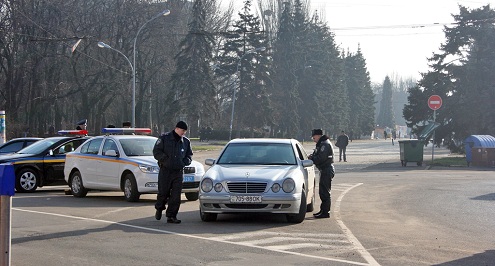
396, 36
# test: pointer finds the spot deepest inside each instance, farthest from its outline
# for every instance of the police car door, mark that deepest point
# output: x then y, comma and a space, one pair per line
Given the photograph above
109, 167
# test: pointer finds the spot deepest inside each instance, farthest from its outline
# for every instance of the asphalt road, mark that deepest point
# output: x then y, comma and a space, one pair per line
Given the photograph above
382, 214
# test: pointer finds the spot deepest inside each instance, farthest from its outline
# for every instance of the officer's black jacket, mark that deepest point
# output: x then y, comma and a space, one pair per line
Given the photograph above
172, 152
323, 153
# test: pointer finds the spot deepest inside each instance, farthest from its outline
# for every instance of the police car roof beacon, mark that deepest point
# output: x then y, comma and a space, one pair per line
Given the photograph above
125, 131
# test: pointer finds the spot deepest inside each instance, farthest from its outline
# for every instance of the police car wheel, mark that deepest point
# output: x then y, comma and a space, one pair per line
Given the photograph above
131, 193
207, 217
76, 185
298, 218
26, 180
192, 196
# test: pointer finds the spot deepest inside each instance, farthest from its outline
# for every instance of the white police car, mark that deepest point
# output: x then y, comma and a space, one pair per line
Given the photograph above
122, 163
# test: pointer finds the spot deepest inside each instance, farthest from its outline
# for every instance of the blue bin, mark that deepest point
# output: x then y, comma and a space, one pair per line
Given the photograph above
477, 141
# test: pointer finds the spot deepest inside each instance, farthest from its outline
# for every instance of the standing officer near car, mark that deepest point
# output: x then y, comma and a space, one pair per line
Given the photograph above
323, 159
173, 151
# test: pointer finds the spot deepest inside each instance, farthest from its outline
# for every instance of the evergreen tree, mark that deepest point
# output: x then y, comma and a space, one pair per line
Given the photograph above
286, 86
325, 102
244, 55
193, 91
466, 83
360, 94
386, 115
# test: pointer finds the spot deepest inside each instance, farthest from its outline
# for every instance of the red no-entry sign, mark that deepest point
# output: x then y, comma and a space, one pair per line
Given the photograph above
434, 102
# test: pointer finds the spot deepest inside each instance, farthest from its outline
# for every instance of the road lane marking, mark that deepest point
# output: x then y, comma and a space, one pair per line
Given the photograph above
274, 249
358, 246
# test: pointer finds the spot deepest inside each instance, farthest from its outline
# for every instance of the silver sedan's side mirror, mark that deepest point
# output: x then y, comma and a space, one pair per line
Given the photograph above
210, 162
307, 163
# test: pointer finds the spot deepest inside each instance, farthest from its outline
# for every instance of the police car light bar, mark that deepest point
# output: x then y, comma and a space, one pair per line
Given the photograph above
73, 132
114, 130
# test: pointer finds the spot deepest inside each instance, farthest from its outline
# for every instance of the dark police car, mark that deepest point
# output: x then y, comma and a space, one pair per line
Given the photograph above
42, 163
17, 144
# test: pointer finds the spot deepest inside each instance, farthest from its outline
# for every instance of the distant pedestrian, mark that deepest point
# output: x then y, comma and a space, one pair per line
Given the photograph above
342, 142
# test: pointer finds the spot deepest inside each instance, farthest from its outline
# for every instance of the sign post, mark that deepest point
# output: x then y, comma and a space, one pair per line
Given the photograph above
3, 138
7, 178
434, 102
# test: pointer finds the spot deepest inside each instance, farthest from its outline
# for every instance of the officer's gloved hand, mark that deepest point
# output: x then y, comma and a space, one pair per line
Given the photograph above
186, 161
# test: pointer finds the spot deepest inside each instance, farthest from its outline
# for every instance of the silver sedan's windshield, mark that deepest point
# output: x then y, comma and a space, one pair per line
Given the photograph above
258, 153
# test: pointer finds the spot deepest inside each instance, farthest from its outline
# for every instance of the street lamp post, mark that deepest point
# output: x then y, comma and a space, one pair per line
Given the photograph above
259, 49
104, 45
165, 12
133, 64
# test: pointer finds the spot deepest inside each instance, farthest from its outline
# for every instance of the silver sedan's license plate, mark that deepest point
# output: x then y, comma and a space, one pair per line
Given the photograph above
245, 199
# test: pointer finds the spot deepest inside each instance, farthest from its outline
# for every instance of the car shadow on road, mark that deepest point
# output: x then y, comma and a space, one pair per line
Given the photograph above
485, 258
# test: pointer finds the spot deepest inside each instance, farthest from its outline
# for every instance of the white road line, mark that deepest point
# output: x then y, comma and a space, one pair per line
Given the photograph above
285, 238
268, 233
112, 211
193, 236
359, 247
299, 245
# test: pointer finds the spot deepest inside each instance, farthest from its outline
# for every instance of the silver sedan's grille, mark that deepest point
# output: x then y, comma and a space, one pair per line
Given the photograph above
246, 187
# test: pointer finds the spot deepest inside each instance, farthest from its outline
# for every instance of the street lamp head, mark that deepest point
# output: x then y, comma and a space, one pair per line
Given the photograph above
103, 45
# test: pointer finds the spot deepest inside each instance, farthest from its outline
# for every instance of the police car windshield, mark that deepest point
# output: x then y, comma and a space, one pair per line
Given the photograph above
258, 153
138, 146
40, 146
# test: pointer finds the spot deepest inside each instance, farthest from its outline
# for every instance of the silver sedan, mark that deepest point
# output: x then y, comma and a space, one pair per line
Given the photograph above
259, 175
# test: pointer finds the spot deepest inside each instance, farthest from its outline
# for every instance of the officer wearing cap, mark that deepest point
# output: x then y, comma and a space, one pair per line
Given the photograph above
81, 125
323, 159
173, 151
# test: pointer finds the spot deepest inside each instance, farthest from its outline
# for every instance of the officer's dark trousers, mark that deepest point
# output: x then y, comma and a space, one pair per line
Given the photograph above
326, 176
169, 191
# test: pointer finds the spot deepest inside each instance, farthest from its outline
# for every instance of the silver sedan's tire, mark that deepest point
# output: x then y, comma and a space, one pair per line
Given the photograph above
76, 185
207, 217
299, 218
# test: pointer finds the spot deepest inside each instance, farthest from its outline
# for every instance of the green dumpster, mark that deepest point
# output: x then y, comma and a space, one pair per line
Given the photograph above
411, 150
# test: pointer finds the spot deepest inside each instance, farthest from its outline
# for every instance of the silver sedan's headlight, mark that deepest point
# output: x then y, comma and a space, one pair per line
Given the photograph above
288, 185
149, 168
207, 185
218, 187
276, 187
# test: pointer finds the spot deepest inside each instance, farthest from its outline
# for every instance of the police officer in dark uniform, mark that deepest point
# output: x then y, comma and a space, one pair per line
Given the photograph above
173, 151
81, 124
323, 159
